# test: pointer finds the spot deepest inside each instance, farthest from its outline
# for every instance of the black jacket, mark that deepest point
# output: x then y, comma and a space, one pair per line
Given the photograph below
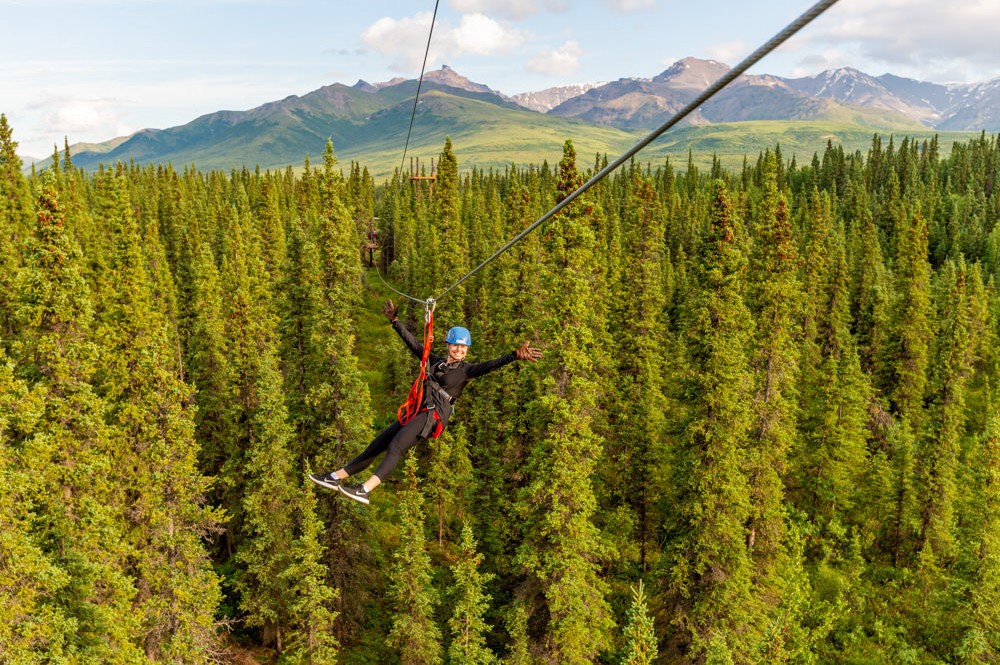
446, 382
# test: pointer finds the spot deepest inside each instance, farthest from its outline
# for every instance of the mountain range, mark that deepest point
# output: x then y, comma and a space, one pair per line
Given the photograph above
647, 103
368, 121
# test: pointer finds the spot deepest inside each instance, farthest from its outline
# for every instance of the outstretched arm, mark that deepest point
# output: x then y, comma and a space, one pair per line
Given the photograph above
525, 352
414, 345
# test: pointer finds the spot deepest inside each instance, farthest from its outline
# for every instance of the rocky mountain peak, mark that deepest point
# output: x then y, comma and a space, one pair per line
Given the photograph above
449, 77
692, 73
544, 101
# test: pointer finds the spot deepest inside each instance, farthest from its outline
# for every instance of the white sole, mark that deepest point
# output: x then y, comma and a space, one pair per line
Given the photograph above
323, 484
355, 497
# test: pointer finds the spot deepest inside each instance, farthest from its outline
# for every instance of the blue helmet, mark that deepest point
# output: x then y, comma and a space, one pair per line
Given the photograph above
459, 335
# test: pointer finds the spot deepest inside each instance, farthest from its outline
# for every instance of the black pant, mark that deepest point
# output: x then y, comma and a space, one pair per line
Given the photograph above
394, 440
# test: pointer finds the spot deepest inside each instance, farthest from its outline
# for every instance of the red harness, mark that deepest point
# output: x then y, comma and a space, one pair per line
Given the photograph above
414, 403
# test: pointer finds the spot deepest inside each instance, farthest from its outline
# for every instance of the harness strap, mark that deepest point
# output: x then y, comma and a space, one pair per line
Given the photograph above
415, 399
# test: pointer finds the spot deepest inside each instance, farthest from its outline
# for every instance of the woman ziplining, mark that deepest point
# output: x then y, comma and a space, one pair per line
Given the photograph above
426, 415
429, 406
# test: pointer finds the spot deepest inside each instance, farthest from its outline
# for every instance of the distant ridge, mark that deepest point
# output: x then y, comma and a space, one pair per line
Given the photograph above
367, 121
546, 100
962, 107
634, 102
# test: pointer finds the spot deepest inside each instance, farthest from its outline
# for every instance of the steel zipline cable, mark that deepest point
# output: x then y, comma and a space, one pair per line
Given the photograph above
709, 92
420, 82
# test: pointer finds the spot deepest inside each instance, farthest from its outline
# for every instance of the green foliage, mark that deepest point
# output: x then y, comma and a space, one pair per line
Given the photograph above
773, 390
640, 638
709, 576
775, 295
561, 548
981, 642
638, 417
309, 611
153, 432
470, 602
15, 216
33, 627
67, 486
414, 635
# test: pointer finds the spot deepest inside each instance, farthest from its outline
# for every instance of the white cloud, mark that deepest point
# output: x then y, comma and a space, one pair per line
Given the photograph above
729, 53
399, 38
564, 61
831, 58
481, 35
132, 95
909, 36
90, 117
512, 9
406, 39
626, 6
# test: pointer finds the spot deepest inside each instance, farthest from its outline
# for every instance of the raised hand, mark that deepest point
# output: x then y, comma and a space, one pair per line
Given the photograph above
528, 353
390, 311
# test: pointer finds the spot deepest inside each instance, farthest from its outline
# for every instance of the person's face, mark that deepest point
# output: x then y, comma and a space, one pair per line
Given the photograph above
456, 352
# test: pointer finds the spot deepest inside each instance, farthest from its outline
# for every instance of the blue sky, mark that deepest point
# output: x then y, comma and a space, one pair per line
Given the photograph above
91, 70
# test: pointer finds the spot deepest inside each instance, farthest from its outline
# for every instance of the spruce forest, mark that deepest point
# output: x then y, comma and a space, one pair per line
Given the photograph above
765, 427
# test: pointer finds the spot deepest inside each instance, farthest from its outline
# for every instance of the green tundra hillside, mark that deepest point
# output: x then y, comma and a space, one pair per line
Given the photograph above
368, 125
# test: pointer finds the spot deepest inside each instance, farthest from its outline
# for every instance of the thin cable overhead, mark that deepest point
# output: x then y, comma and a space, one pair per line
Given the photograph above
393, 289
707, 94
413, 114
420, 82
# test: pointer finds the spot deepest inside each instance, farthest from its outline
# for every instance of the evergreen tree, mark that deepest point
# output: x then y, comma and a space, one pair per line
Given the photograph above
907, 353
34, 626
834, 436
981, 642
818, 225
562, 550
414, 634
499, 434
908, 346
272, 230
206, 360
154, 426
774, 295
708, 580
470, 602
638, 418
451, 249
871, 290
327, 391
449, 477
314, 639
70, 459
163, 289
273, 526
640, 638
299, 304
938, 456
328, 407
337, 398
15, 217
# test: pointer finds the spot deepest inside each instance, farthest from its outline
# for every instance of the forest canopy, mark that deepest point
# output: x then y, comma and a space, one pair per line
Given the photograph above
765, 426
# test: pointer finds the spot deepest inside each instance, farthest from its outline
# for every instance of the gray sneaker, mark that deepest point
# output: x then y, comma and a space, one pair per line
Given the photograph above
357, 492
327, 480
